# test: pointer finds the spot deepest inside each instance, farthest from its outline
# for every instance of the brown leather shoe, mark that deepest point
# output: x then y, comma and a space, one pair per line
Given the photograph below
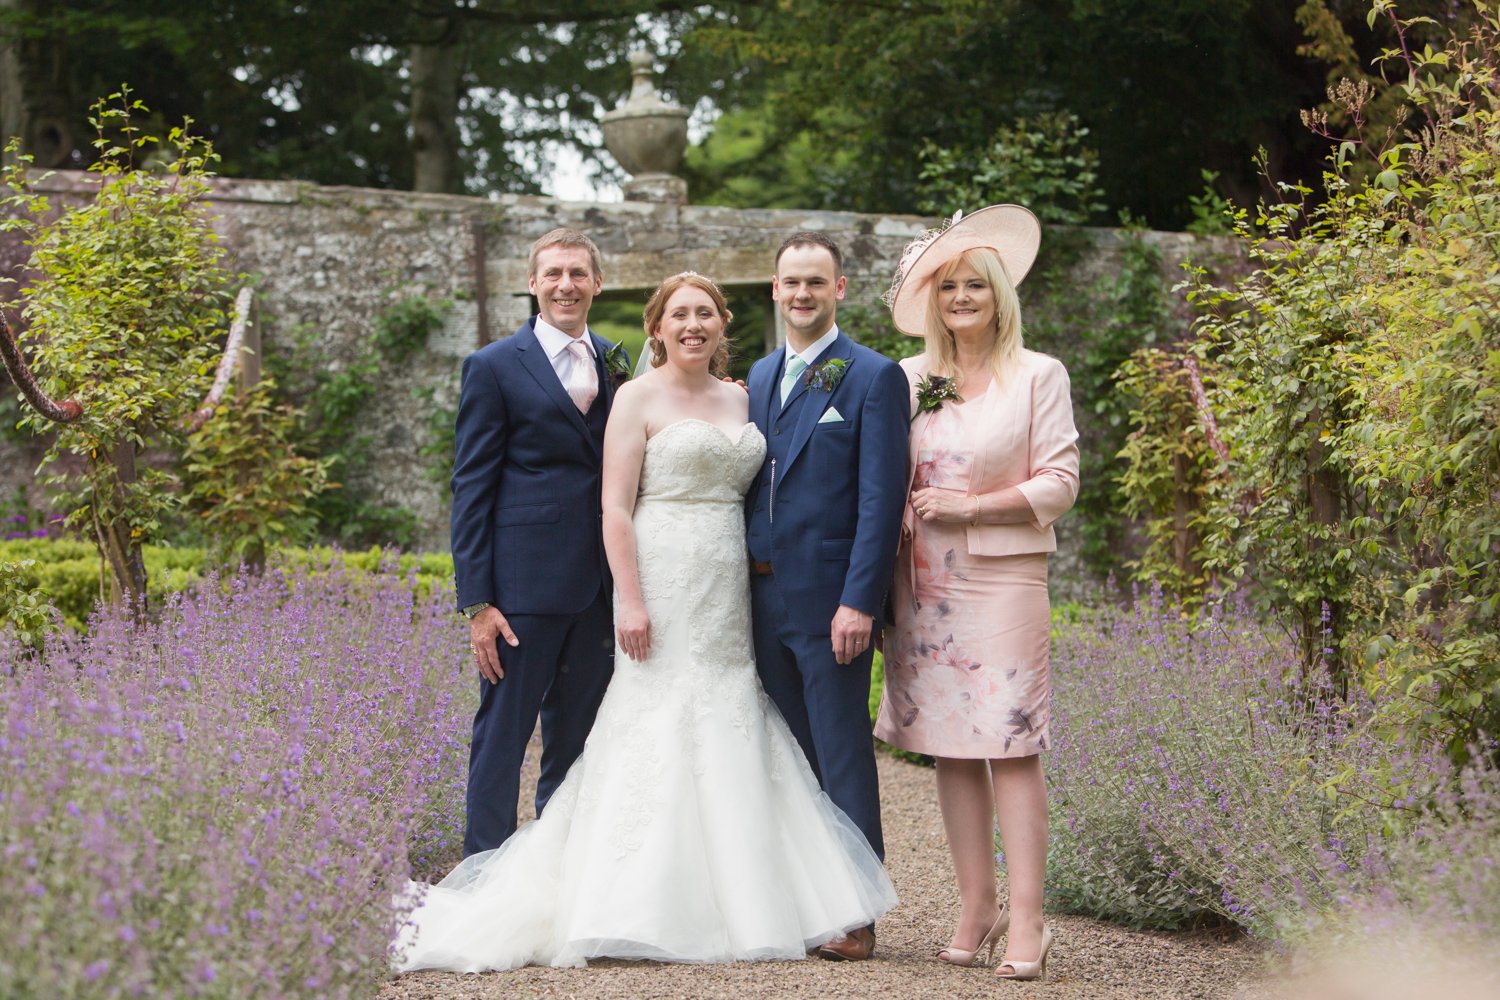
856, 946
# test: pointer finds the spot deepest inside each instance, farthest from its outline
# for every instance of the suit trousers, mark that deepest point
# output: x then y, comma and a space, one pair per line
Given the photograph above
559, 671
825, 703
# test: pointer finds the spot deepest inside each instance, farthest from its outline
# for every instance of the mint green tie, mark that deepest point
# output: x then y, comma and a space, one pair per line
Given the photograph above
795, 366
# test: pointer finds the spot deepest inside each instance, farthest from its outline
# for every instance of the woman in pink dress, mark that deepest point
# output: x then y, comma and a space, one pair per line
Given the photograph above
994, 462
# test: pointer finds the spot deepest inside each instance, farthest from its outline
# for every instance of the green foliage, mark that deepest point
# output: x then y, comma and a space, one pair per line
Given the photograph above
1212, 215
24, 610
1094, 323
1169, 469
1042, 162
442, 432
66, 573
403, 327
871, 325
322, 91
1164, 89
122, 316
331, 401
11, 411
1359, 392
748, 162
246, 482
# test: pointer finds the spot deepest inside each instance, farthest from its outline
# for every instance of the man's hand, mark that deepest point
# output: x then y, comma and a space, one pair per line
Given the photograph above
633, 626
485, 629
851, 633
933, 504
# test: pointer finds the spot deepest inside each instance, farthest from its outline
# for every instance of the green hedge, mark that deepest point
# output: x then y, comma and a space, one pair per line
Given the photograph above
67, 572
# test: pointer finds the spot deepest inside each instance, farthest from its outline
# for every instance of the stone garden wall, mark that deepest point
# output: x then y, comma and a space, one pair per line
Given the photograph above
327, 261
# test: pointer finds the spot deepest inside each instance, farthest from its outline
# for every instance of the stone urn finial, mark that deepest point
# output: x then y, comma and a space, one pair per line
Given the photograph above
647, 136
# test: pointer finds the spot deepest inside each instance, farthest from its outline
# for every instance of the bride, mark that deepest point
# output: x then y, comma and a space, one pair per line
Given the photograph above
691, 829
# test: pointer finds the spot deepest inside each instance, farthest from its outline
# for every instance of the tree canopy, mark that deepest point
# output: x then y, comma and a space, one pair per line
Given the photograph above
822, 103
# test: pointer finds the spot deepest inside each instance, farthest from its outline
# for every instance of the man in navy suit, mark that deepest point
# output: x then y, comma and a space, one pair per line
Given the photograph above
527, 551
823, 522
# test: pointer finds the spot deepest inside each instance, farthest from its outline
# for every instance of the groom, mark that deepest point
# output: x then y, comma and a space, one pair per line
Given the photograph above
823, 521
527, 552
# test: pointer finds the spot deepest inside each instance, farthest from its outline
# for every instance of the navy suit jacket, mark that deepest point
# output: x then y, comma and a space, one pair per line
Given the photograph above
526, 478
830, 523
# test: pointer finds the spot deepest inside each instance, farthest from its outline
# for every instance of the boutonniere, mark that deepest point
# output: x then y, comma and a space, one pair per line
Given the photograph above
935, 390
825, 375
616, 366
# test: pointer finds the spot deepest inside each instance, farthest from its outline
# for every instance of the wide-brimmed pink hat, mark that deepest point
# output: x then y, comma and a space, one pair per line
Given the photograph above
1012, 231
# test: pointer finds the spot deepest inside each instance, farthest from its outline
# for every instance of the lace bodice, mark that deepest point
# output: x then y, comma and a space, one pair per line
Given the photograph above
692, 828
692, 459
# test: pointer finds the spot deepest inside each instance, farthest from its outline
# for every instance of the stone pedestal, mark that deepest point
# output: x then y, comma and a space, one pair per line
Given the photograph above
664, 189
648, 136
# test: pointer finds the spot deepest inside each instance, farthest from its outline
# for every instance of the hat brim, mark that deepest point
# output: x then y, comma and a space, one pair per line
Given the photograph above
1012, 231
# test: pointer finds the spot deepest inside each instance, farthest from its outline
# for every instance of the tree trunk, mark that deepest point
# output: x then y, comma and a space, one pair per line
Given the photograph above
1323, 625
1182, 515
435, 74
34, 90
118, 548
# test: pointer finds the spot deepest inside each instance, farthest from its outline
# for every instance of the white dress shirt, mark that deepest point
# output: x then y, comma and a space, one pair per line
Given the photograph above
555, 343
814, 350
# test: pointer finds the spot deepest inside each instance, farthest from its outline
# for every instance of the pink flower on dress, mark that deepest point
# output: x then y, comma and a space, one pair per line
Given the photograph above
941, 468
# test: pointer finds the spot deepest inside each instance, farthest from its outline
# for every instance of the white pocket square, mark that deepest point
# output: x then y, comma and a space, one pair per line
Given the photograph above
831, 416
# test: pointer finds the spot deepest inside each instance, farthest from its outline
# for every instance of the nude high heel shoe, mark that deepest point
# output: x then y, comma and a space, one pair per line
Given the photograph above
1028, 970
958, 956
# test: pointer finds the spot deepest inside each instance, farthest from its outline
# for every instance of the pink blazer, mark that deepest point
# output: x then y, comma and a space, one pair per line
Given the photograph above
1031, 444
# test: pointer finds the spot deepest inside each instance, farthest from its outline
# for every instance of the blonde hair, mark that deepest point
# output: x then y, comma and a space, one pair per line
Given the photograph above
1005, 351
656, 308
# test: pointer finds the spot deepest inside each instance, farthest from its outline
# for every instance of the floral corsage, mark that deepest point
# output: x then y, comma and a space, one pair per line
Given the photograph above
935, 390
825, 375
616, 365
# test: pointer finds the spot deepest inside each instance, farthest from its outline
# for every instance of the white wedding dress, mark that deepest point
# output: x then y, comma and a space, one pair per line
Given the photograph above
691, 829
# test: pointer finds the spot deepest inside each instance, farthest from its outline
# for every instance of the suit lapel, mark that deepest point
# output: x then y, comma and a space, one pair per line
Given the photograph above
539, 367
606, 383
765, 381
818, 401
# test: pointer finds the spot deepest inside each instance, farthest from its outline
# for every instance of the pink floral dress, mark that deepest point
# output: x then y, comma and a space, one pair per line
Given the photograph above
966, 663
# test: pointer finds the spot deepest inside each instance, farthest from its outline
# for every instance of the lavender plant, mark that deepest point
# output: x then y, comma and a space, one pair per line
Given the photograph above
1438, 887
1195, 778
221, 803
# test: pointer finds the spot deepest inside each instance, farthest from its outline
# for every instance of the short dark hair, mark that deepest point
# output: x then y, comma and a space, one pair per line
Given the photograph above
811, 239
564, 238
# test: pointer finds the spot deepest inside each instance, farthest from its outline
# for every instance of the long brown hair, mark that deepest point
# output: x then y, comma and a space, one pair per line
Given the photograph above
656, 307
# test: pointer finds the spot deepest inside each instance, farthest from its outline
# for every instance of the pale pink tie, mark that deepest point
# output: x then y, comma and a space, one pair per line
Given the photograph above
583, 381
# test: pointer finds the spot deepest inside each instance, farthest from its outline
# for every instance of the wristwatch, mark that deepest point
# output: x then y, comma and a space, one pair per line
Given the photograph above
473, 609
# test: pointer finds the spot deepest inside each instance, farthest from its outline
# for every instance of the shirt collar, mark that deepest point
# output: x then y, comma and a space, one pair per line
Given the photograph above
816, 348
555, 341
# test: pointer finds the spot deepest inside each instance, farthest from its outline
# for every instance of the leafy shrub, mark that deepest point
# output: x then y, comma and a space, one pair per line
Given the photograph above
245, 480
223, 803
1043, 163
67, 572
1193, 781
24, 610
128, 297
1358, 390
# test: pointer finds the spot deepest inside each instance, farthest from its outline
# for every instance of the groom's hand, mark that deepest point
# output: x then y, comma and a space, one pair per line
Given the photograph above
485, 630
851, 633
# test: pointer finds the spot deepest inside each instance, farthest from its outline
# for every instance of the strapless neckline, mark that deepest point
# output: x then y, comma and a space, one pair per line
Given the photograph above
735, 439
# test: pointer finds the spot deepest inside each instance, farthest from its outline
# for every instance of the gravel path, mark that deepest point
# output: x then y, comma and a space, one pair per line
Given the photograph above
1090, 959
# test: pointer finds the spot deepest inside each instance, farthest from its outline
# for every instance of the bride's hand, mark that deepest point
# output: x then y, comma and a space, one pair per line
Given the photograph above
633, 628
